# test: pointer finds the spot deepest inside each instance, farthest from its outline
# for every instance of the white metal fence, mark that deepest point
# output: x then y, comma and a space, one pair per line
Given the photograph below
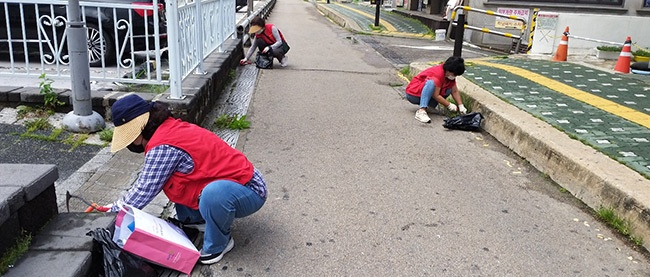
123, 35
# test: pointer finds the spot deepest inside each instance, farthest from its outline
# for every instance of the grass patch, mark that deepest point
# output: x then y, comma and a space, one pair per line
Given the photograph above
23, 111
15, 252
233, 122
75, 140
51, 137
406, 72
621, 225
106, 135
467, 101
38, 124
375, 28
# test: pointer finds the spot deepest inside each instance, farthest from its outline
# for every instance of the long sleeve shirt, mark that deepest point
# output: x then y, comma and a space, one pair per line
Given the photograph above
159, 164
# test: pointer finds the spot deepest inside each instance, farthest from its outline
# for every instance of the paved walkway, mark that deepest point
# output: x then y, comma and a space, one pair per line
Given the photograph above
609, 112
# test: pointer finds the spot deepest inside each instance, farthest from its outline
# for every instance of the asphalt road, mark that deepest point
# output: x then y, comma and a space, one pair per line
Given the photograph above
358, 187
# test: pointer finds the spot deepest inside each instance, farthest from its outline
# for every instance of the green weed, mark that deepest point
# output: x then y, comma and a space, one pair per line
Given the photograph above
621, 225
50, 96
106, 135
12, 254
406, 72
467, 101
75, 140
37, 124
234, 122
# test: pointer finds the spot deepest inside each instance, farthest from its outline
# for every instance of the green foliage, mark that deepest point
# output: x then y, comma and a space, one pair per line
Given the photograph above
406, 72
234, 122
467, 101
15, 252
375, 28
621, 225
75, 140
106, 135
38, 124
641, 53
51, 97
609, 48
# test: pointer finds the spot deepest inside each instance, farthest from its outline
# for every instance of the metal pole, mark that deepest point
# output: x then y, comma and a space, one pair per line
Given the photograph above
458, 36
82, 119
199, 38
174, 46
377, 13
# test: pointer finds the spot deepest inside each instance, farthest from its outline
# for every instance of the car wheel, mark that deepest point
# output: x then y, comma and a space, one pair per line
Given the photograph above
95, 45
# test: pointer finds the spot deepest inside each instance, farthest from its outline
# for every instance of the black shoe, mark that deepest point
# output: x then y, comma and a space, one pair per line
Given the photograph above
213, 258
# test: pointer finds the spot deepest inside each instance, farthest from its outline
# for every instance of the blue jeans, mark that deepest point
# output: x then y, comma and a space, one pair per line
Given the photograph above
427, 95
220, 203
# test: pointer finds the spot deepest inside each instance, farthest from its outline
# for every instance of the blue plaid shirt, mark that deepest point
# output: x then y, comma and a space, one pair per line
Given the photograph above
159, 164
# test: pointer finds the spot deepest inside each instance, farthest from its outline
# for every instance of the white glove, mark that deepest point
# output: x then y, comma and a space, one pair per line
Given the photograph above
462, 109
452, 107
266, 49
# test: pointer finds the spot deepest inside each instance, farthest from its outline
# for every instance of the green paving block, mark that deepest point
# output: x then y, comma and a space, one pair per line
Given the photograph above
608, 133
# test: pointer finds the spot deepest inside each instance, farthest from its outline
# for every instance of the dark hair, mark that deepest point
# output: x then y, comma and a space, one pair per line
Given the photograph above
157, 115
259, 21
454, 65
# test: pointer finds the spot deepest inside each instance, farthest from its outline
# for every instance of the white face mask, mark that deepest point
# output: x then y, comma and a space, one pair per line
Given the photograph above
451, 77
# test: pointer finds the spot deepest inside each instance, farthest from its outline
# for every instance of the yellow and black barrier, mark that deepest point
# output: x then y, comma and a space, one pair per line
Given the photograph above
486, 30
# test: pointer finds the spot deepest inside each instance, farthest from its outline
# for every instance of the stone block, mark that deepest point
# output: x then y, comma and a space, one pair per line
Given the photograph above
4, 210
9, 232
67, 231
38, 211
53, 263
33, 178
32, 95
14, 197
4, 93
14, 95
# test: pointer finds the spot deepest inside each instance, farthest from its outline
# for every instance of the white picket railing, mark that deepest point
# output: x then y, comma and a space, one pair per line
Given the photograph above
131, 39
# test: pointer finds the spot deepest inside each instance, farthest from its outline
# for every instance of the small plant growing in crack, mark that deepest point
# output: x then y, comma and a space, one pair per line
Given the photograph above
234, 122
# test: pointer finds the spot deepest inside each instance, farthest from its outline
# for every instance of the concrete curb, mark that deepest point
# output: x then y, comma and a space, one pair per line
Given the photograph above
592, 177
338, 19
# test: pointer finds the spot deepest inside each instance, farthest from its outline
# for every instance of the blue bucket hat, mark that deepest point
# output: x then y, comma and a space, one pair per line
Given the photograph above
130, 114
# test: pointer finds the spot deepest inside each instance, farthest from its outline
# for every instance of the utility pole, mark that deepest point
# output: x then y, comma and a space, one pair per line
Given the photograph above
377, 13
82, 119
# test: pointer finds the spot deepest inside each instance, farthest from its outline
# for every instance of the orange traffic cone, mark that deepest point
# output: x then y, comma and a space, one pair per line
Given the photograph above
625, 58
562, 49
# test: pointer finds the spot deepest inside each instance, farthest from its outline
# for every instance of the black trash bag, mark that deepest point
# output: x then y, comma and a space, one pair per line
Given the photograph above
466, 122
117, 262
264, 60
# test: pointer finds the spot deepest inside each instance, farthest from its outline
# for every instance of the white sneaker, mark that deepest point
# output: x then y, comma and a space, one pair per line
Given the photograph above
213, 258
422, 116
285, 61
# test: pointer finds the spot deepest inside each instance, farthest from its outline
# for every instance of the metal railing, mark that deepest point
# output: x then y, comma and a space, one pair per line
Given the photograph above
486, 30
34, 36
203, 27
127, 41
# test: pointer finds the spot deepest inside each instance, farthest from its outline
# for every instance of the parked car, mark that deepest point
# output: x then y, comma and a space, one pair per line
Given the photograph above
240, 4
111, 31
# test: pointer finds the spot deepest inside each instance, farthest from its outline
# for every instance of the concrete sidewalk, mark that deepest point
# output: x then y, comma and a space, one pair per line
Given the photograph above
592, 108
357, 187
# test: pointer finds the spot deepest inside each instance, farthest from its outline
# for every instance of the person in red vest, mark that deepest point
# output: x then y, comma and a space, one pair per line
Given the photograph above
210, 182
267, 38
432, 87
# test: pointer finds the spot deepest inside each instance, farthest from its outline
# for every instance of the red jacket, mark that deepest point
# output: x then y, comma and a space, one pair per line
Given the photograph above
267, 35
213, 160
435, 73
